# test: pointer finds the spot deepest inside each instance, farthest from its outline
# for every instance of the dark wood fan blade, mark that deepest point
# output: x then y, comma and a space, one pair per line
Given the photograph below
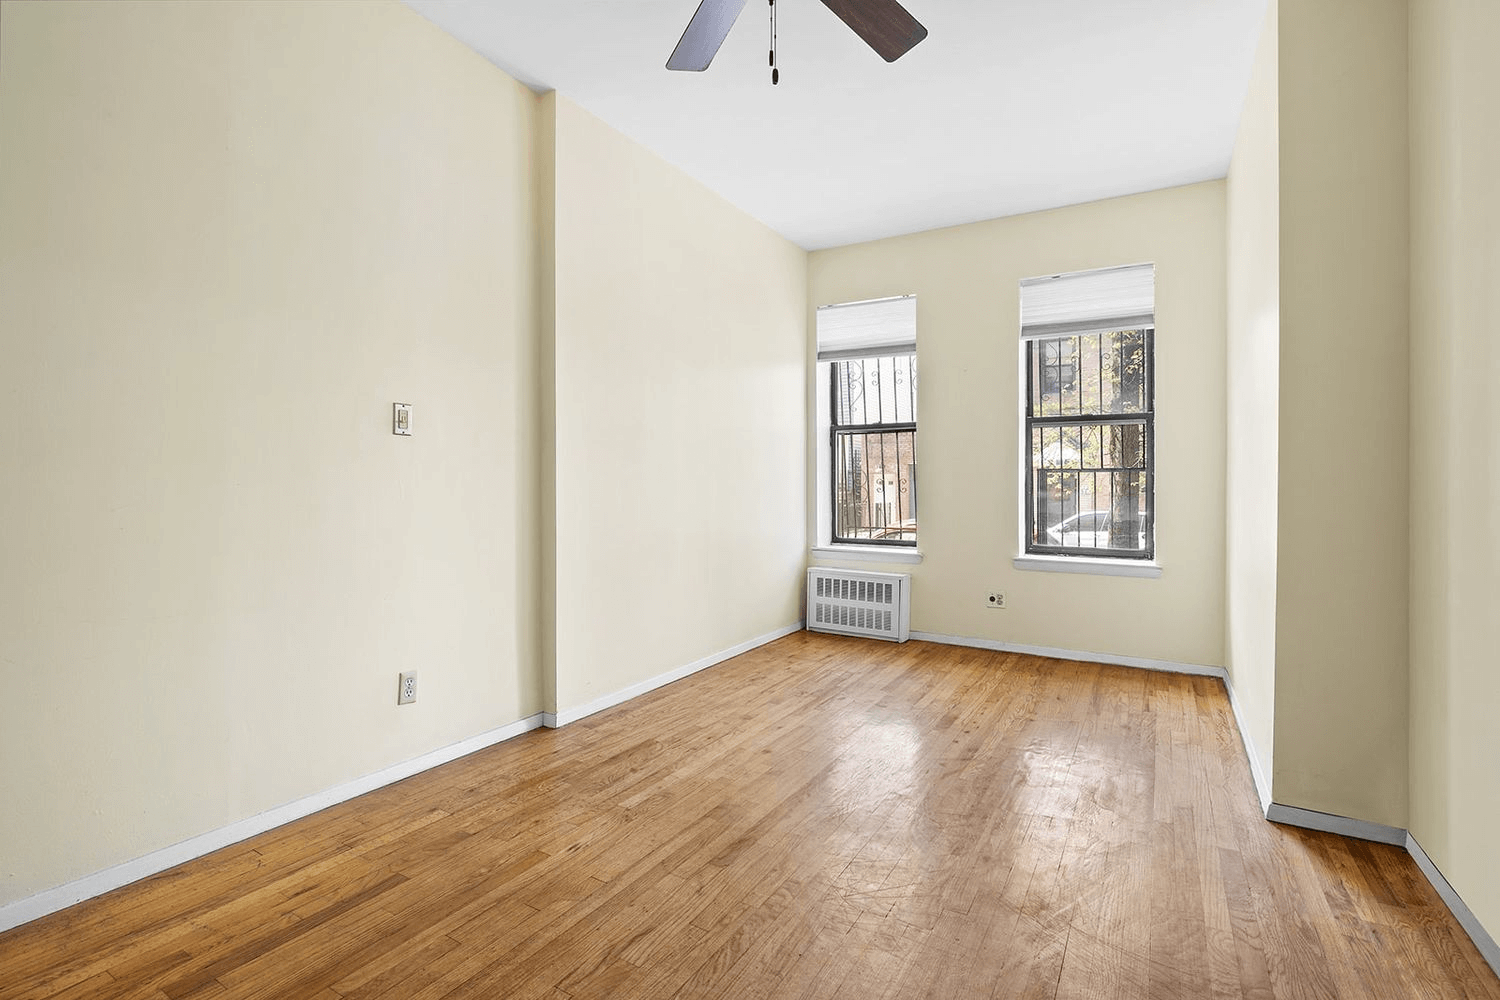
705, 33
885, 25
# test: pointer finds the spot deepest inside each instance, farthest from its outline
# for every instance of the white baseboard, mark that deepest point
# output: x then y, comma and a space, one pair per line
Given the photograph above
1262, 783
1359, 829
1113, 659
1311, 819
96, 884
567, 715
1486, 944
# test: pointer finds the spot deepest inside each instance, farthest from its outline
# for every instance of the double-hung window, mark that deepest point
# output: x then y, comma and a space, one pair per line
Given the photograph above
1088, 341
867, 359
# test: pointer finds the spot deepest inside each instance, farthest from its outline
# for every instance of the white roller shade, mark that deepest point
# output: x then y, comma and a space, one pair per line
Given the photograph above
867, 329
1113, 298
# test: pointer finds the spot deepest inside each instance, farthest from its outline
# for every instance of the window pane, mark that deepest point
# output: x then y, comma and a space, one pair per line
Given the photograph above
874, 469
1067, 376
1123, 379
874, 495
1125, 446
1093, 446
875, 391
1099, 373
1089, 486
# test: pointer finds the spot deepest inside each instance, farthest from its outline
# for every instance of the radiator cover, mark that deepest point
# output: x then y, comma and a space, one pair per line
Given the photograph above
846, 602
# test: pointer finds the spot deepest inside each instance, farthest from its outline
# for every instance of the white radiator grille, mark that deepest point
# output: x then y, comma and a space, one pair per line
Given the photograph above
849, 603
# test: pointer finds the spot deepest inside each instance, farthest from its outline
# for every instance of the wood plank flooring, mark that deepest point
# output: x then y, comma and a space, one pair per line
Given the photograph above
819, 818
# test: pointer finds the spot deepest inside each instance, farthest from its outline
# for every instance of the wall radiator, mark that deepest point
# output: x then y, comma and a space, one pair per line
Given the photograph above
877, 605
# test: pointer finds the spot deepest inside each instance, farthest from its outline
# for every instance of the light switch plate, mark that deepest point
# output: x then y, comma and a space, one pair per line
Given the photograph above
401, 419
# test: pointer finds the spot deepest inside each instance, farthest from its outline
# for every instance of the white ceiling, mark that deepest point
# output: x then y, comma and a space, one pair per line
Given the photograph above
1009, 106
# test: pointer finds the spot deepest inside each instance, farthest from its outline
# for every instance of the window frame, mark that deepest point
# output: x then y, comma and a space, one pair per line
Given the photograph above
1147, 417
837, 430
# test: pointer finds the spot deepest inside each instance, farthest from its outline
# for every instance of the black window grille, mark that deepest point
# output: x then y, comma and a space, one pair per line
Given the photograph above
874, 450
1090, 482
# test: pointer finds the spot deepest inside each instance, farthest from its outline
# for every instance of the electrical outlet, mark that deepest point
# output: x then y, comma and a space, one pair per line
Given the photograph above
406, 692
996, 599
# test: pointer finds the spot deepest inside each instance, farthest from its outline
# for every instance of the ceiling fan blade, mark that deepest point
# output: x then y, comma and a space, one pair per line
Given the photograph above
885, 25
705, 33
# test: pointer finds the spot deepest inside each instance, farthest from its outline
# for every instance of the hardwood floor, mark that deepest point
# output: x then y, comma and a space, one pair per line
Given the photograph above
821, 817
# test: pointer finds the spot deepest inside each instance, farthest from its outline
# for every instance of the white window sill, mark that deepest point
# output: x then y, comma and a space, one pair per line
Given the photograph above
1097, 567
868, 553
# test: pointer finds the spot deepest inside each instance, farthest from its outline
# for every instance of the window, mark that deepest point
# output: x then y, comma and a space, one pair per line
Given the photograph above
873, 448
867, 424
1089, 476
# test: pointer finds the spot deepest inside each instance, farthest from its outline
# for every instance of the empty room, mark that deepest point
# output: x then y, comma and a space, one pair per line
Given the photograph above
697, 498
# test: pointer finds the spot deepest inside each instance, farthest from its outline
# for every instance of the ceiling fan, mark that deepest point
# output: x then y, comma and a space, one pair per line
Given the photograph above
885, 25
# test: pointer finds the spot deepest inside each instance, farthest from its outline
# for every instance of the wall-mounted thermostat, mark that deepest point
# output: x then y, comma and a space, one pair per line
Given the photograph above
401, 419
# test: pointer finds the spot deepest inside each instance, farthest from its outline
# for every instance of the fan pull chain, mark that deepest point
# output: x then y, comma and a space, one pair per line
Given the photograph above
775, 72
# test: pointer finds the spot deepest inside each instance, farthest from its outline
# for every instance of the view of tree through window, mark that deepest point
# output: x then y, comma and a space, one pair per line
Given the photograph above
874, 449
1089, 420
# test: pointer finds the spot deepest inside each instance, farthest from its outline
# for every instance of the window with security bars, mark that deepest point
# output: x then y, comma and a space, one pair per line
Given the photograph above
1089, 424
873, 444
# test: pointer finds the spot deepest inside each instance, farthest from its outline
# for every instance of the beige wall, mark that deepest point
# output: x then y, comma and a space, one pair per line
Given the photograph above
1341, 637
965, 280
232, 234
1455, 449
1254, 297
680, 423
